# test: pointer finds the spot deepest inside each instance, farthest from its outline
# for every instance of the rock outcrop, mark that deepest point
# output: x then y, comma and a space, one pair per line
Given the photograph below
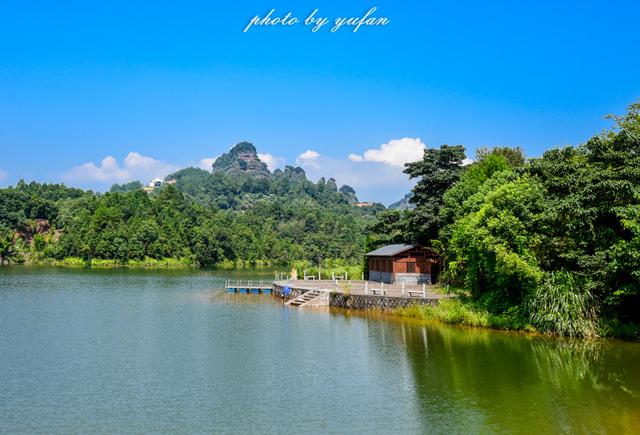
241, 159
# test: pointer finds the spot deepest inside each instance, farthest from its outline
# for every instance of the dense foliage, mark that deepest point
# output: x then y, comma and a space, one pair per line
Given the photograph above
554, 239
203, 219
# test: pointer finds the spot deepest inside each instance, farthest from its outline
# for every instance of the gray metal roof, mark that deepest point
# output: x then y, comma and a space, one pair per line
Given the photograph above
389, 250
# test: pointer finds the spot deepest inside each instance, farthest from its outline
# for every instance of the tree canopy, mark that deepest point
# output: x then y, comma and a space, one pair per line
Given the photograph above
512, 231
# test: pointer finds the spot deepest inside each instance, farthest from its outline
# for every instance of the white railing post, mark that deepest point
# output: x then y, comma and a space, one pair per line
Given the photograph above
402, 289
366, 287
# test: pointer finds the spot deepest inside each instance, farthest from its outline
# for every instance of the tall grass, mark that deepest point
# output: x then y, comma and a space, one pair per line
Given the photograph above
461, 311
560, 306
448, 311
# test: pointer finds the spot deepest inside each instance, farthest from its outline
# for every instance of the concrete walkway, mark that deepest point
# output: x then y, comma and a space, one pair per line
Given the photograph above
358, 288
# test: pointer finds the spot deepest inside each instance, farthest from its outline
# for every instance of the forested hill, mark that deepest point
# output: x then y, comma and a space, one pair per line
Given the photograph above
239, 179
238, 212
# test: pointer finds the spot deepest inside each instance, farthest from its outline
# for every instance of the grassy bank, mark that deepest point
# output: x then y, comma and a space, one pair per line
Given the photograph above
147, 263
339, 267
461, 311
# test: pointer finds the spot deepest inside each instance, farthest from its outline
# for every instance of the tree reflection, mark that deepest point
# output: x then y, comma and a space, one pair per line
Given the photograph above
467, 379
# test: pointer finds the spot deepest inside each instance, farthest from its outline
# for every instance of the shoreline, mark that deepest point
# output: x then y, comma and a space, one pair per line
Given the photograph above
148, 263
396, 315
446, 309
420, 310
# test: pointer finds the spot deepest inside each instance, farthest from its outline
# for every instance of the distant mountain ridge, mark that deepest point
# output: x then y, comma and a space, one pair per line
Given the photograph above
238, 179
403, 204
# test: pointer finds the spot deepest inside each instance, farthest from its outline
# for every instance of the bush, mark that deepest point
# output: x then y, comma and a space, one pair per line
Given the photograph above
617, 328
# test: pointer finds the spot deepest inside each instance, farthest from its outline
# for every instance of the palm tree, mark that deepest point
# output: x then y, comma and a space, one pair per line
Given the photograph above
7, 248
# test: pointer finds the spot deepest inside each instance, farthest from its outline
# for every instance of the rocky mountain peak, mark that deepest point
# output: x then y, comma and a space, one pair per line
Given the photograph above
295, 174
242, 158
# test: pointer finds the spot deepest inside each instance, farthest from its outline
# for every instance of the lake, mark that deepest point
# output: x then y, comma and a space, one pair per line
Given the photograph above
172, 352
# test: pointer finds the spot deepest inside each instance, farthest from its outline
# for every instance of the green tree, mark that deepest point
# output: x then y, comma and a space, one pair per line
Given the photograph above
437, 172
515, 157
494, 249
7, 249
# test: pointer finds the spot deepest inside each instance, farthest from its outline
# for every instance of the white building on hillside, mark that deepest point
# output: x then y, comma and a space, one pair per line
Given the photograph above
156, 182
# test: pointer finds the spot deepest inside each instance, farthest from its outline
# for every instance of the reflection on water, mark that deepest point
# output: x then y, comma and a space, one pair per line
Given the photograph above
130, 351
498, 381
468, 378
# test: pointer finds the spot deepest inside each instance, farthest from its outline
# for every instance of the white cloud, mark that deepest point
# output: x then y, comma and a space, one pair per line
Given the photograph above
373, 181
308, 155
207, 162
377, 174
272, 161
396, 152
308, 159
467, 161
3, 174
135, 166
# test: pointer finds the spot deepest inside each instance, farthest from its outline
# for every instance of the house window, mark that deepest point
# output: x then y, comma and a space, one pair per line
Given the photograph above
411, 267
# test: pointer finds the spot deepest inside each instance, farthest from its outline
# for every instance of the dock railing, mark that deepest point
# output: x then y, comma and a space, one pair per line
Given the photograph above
343, 277
307, 277
281, 276
247, 284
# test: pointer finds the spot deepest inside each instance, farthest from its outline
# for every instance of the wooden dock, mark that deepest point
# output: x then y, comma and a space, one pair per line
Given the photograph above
248, 286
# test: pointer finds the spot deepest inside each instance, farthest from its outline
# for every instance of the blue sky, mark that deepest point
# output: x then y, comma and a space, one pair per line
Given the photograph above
153, 86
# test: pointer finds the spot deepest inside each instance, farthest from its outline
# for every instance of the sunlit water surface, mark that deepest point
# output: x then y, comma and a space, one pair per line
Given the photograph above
171, 352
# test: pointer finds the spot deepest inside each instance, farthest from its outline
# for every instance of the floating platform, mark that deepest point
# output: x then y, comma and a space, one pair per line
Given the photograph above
249, 286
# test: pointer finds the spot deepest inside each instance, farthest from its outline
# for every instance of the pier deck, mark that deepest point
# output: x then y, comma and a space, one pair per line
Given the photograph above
370, 288
248, 286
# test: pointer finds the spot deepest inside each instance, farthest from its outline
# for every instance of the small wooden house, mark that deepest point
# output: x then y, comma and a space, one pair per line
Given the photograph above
411, 264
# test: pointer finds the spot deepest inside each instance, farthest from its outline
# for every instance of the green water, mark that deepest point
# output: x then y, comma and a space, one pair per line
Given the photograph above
171, 352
